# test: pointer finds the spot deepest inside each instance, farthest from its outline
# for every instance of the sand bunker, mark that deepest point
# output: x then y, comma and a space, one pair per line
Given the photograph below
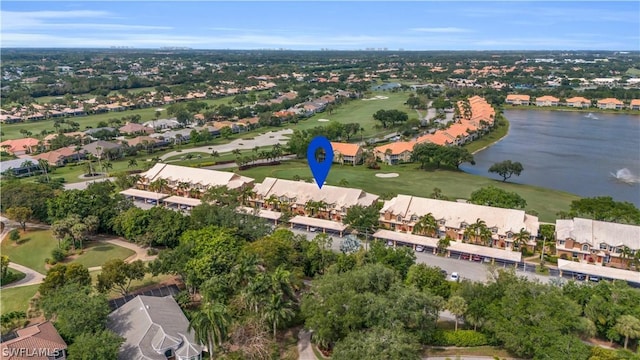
389, 175
379, 97
324, 120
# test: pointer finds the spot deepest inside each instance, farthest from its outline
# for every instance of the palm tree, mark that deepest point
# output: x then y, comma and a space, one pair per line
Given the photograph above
246, 193
77, 150
522, 237
132, 163
626, 253
340, 158
277, 310
107, 166
457, 306
183, 186
211, 325
215, 154
194, 193
443, 244
273, 201
158, 185
245, 270
236, 152
28, 164
44, 165
629, 327
426, 224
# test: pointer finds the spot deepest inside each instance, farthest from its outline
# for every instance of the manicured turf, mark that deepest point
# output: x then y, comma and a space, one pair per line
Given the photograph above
361, 111
37, 245
412, 181
98, 253
16, 299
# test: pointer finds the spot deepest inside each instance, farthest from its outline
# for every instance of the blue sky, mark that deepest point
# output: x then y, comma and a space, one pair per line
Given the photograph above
415, 25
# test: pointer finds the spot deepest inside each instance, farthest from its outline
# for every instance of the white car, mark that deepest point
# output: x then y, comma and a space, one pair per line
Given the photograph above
419, 248
312, 229
454, 276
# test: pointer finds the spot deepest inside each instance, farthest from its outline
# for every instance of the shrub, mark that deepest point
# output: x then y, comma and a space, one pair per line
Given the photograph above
58, 254
462, 338
152, 251
14, 235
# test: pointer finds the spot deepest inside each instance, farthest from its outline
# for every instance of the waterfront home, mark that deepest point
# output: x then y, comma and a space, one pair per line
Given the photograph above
578, 102
596, 242
635, 104
396, 152
610, 103
515, 99
403, 212
547, 100
345, 153
19, 147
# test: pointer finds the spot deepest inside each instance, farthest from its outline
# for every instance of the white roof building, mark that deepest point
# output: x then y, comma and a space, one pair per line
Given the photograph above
596, 233
455, 214
198, 178
300, 192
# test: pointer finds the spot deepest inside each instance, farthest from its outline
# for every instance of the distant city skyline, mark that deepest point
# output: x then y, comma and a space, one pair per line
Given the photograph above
360, 25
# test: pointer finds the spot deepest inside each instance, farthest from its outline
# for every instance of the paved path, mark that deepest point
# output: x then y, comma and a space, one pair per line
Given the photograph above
305, 350
259, 161
84, 184
32, 277
268, 139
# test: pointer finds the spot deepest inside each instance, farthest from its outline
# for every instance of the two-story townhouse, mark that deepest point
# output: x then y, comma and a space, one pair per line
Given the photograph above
547, 100
345, 153
597, 242
610, 103
404, 211
515, 99
578, 102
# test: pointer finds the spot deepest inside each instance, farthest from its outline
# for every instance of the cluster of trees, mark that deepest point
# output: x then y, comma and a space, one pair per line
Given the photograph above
300, 139
390, 117
157, 226
603, 208
432, 154
497, 197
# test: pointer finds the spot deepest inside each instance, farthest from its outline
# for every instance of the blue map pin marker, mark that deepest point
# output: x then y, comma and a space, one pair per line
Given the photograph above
320, 170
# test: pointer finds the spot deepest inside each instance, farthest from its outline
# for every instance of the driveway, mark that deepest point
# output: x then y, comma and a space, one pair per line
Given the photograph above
268, 139
84, 184
305, 352
32, 277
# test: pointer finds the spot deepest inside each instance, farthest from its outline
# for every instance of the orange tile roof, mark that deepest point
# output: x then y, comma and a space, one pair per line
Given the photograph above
578, 99
518, 97
345, 148
547, 98
635, 102
19, 144
42, 336
610, 101
397, 148
438, 138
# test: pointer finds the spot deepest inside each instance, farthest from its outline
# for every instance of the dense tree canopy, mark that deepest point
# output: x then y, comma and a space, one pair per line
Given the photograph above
26, 194
494, 196
604, 208
157, 226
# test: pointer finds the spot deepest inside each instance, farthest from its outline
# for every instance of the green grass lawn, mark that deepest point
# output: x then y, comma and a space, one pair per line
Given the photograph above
469, 351
16, 299
488, 139
412, 181
361, 111
97, 253
36, 245
148, 280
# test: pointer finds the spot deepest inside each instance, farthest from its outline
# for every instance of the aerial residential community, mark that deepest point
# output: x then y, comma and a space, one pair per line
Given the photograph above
160, 199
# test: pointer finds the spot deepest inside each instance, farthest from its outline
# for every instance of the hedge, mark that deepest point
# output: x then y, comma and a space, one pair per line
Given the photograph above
461, 338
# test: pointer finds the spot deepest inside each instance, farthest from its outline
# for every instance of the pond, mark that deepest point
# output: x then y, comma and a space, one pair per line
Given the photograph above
597, 155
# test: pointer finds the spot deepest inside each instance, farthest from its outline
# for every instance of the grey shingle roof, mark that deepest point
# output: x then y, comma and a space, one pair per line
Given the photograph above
151, 325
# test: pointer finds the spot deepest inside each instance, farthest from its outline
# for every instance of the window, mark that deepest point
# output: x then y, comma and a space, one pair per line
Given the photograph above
618, 250
574, 254
509, 235
463, 225
561, 242
603, 246
414, 217
441, 222
494, 230
399, 218
585, 247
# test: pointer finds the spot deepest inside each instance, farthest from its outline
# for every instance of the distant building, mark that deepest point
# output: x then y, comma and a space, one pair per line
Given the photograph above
547, 100
610, 103
346, 153
578, 102
635, 104
36, 342
25, 166
19, 147
515, 99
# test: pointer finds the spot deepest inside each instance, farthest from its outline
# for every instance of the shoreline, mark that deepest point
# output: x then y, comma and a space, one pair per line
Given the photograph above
594, 110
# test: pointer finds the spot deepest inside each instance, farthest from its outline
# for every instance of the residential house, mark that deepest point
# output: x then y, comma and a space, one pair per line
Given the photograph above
135, 129
175, 136
404, 211
150, 142
195, 179
439, 137
547, 100
330, 202
19, 147
578, 102
154, 328
61, 156
596, 242
103, 149
345, 153
25, 166
610, 103
9, 119
396, 152
515, 99
163, 124
36, 342
635, 104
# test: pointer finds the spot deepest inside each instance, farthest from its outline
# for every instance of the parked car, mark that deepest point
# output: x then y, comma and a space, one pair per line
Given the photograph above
419, 248
581, 277
477, 258
594, 278
444, 272
455, 277
465, 256
312, 229
390, 243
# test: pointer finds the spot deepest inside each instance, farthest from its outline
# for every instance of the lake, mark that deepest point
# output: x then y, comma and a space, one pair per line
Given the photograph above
571, 152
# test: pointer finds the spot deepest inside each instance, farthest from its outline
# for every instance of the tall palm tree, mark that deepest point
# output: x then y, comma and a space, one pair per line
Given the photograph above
215, 154
107, 166
236, 152
427, 224
211, 325
273, 201
158, 185
245, 194
132, 163
44, 165
28, 164
276, 311
443, 244
629, 327
183, 186
521, 238
77, 150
